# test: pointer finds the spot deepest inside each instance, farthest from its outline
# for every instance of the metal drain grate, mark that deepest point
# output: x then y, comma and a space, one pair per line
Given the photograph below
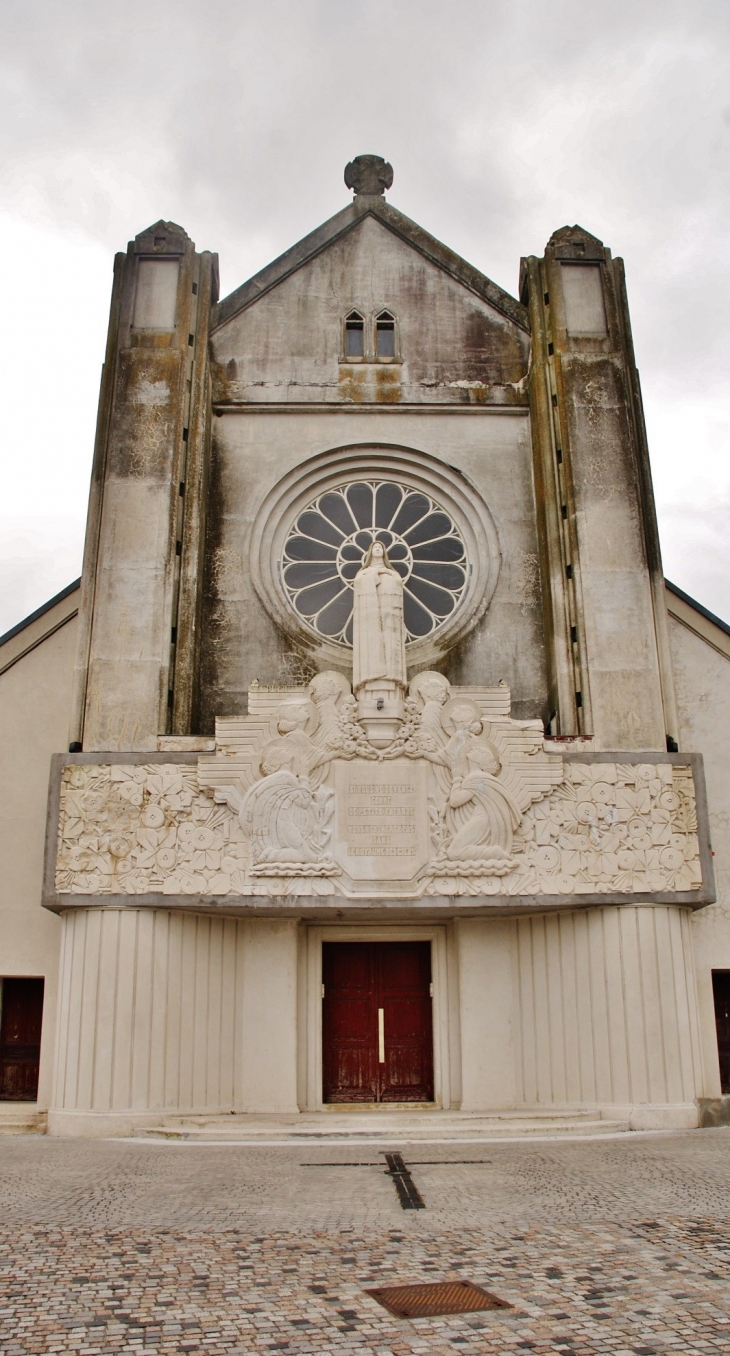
445, 1297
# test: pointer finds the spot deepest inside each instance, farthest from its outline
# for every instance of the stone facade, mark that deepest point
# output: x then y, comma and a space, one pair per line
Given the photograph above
527, 796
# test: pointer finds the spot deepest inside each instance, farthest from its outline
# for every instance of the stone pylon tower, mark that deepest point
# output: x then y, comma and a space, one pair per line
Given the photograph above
603, 583
140, 632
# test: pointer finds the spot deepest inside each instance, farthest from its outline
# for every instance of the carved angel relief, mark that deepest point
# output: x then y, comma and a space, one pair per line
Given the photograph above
487, 771
272, 767
272, 778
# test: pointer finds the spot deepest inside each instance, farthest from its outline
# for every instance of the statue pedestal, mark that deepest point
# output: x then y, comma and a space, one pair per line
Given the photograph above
380, 710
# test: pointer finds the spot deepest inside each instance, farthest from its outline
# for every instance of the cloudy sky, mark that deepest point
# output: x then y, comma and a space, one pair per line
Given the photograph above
503, 119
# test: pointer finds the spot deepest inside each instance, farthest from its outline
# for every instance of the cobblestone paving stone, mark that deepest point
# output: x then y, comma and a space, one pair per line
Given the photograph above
604, 1248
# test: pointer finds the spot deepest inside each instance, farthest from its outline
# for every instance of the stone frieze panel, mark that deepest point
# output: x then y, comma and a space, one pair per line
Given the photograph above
296, 801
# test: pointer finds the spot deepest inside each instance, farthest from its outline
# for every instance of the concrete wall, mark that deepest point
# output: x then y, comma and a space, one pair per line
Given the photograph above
701, 655
167, 1012
36, 673
252, 451
596, 1007
454, 347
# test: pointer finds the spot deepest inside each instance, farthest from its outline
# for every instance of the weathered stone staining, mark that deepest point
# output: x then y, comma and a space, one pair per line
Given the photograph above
374, 652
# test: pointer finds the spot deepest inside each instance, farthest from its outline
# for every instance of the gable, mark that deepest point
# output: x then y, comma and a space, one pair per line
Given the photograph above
35, 630
285, 341
697, 619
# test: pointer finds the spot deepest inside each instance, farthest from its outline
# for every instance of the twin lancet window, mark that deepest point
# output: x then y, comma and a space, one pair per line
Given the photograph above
368, 340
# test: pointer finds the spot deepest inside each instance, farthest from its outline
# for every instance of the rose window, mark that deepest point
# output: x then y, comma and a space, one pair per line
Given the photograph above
327, 544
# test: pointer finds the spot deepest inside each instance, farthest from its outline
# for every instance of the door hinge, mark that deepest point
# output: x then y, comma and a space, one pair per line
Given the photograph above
430, 990
323, 990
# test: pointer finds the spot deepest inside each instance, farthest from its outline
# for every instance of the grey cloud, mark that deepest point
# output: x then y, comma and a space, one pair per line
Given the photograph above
502, 121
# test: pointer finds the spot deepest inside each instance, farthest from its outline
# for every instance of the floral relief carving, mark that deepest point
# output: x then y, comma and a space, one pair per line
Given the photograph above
127, 829
609, 828
605, 828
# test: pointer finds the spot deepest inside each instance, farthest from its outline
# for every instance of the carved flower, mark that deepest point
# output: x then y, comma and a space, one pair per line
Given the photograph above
75, 776
192, 884
153, 817
671, 859
586, 812
644, 772
204, 838
546, 858
119, 847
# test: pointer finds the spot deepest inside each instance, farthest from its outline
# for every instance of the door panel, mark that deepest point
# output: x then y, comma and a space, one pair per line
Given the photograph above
20, 1039
405, 978
360, 979
721, 991
349, 1064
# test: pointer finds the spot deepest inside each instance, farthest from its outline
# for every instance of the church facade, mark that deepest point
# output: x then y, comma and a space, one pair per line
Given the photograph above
396, 773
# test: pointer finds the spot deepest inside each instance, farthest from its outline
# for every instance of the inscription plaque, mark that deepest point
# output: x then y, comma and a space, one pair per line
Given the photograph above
381, 829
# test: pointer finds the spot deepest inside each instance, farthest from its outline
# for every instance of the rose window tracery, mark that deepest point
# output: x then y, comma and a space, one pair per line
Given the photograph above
327, 543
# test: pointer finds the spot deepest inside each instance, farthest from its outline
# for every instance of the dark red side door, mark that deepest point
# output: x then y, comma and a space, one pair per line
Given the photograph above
721, 992
376, 1020
20, 1039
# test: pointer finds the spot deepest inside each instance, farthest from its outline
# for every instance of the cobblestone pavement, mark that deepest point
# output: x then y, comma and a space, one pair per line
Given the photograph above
617, 1246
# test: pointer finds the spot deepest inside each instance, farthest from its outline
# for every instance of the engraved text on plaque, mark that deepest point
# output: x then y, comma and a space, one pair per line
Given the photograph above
382, 818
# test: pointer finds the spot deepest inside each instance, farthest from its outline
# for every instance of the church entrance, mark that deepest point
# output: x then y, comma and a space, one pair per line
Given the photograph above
377, 1025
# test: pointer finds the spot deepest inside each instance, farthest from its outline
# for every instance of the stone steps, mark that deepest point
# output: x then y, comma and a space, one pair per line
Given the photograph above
385, 1127
22, 1118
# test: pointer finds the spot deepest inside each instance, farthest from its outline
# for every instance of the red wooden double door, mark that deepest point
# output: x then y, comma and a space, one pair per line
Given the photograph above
376, 1022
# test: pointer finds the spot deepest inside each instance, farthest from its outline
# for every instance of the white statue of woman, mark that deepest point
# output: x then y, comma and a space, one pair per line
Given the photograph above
379, 637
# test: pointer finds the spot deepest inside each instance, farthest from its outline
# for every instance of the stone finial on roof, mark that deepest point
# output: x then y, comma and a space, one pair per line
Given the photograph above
368, 174
165, 237
574, 242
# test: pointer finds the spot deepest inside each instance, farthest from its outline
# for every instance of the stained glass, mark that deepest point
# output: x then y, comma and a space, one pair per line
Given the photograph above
327, 543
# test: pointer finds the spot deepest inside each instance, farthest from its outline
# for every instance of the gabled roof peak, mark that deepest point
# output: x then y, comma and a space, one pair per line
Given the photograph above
371, 204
